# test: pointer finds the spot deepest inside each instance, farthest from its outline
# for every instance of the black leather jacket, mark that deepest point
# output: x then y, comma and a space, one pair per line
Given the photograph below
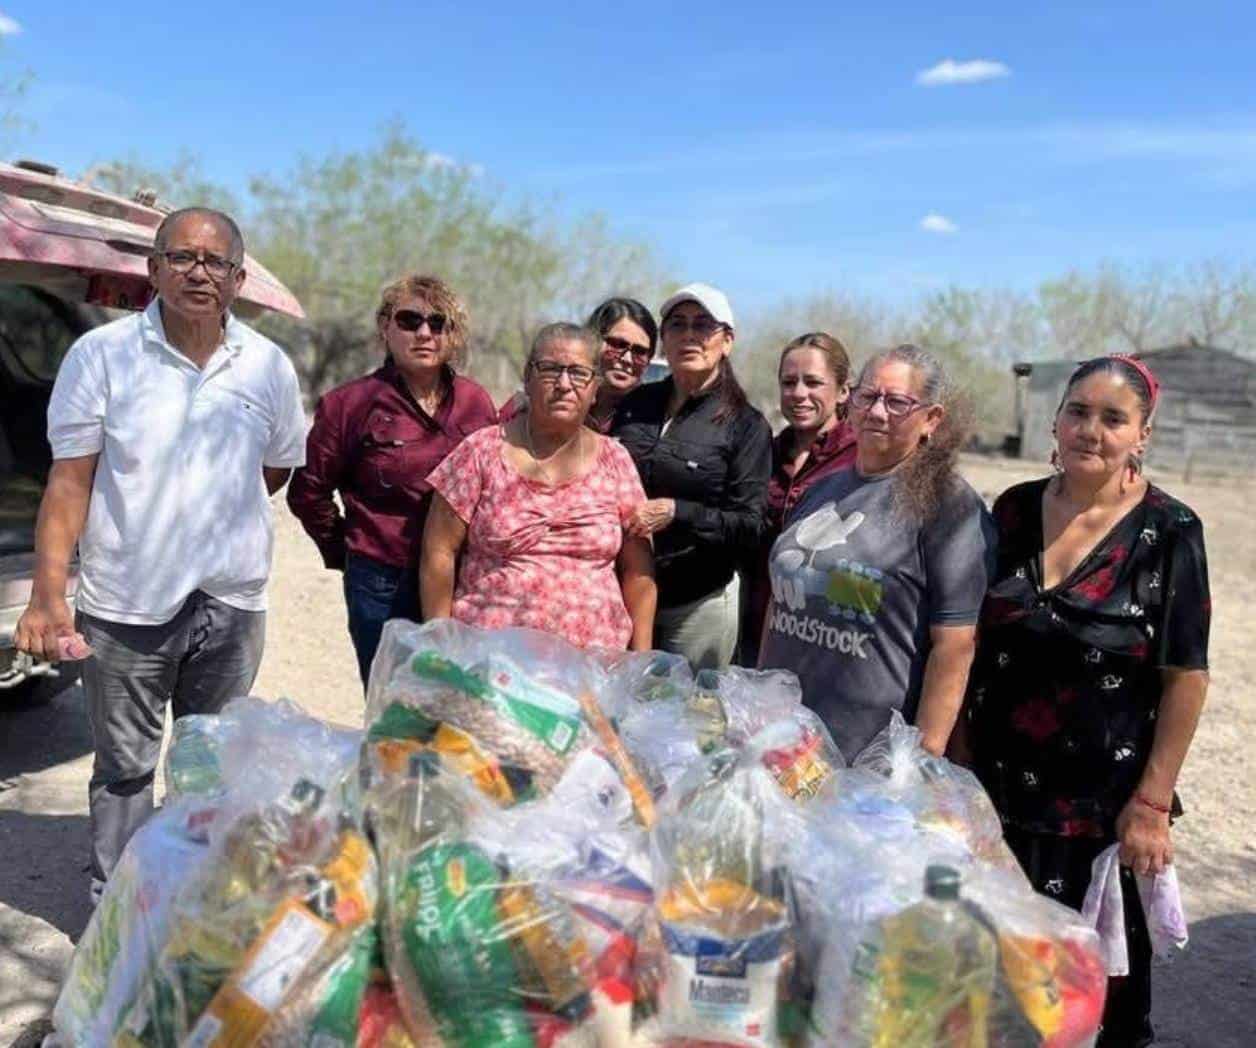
717, 471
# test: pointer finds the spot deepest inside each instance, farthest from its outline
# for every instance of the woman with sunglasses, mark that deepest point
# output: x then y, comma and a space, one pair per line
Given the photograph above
374, 441
878, 578
704, 455
526, 527
629, 336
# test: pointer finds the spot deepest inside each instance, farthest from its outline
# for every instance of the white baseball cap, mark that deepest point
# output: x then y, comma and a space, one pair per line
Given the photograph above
712, 299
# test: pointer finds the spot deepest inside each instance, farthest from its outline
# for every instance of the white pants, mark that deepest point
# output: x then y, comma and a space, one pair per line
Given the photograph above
705, 630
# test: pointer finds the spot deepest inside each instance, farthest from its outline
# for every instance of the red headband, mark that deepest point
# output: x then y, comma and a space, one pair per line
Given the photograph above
1153, 383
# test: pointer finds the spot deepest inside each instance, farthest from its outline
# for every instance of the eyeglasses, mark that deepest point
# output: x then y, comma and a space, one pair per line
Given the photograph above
183, 262
412, 320
896, 404
620, 346
549, 373
703, 327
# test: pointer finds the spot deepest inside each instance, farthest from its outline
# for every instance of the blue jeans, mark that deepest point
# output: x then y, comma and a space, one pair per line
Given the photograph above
375, 593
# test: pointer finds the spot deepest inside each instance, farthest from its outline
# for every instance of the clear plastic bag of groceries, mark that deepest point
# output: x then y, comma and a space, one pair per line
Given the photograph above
641, 677
854, 864
251, 753
116, 952
1050, 982
717, 962
942, 797
259, 932
513, 708
966, 957
273, 743
799, 752
751, 699
663, 740
510, 926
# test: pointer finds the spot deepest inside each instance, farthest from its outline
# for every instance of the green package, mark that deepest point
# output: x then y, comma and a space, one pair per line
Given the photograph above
453, 938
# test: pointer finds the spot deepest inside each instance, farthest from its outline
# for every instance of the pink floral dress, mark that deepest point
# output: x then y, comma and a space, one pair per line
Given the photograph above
541, 555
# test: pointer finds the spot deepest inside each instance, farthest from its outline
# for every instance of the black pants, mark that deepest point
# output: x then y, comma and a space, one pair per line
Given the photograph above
1059, 867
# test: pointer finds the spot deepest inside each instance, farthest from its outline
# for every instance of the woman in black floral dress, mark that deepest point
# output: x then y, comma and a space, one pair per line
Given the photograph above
1092, 662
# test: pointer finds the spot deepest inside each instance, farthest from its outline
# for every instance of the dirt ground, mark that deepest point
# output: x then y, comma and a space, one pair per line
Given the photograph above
1205, 998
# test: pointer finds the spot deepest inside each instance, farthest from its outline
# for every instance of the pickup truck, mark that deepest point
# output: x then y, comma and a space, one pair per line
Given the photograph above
71, 257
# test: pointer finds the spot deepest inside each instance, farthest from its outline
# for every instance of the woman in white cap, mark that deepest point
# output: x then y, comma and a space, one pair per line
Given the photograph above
704, 455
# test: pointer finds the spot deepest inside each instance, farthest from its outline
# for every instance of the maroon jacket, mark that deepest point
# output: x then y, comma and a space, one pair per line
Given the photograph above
832, 452
372, 443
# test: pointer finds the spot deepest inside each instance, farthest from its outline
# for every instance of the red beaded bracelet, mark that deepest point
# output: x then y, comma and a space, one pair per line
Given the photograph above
1163, 809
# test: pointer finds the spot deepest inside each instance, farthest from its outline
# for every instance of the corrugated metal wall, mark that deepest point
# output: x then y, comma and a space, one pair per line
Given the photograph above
1205, 424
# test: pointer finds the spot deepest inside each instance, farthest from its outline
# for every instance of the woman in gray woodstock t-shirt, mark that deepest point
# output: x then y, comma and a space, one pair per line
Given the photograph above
879, 575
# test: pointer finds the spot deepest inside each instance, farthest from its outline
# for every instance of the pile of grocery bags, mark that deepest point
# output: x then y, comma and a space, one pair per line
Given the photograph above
535, 846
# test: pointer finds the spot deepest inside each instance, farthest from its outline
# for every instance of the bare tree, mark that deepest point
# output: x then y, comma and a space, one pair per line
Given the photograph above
1216, 304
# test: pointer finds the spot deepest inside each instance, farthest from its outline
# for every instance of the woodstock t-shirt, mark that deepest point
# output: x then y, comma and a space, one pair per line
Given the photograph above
855, 589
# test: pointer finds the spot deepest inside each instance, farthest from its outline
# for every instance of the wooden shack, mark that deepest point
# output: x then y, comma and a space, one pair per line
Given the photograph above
1205, 423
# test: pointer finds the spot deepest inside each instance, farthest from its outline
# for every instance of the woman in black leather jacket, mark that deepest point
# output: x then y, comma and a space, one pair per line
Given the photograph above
704, 455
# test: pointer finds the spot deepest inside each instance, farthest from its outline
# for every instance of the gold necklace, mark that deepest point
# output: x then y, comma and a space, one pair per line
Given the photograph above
527, 432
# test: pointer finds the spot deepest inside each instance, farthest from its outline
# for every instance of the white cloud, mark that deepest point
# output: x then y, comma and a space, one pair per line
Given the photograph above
951, 72
935, 223
8, 26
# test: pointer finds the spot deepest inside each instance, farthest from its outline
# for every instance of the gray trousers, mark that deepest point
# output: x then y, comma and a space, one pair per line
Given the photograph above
704, 630
208, 653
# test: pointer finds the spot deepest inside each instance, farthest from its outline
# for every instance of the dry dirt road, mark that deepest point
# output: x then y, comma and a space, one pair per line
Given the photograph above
1206, 998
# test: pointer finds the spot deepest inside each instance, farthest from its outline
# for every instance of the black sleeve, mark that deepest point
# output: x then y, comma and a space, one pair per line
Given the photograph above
1187, 601
739, 520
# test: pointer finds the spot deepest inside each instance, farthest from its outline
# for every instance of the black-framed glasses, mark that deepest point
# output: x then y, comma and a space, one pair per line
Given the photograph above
703, 327
215, 266
412, 320
550, 372
621, 346
896, 404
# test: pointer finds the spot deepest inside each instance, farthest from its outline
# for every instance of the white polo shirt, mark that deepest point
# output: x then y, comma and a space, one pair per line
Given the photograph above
178, 503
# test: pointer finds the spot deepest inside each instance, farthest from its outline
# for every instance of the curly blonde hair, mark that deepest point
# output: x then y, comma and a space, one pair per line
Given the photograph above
440, 297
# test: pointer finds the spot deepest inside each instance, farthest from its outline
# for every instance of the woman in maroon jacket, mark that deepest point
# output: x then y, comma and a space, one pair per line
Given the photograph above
374, 441
814, 375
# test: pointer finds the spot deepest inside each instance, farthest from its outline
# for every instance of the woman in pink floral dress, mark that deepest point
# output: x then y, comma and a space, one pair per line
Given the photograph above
535, 507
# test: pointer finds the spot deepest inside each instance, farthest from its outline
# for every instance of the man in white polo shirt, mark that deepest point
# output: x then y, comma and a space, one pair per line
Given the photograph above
170, 429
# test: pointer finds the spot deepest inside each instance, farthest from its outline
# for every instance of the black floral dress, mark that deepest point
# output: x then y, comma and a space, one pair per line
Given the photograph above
1066, 685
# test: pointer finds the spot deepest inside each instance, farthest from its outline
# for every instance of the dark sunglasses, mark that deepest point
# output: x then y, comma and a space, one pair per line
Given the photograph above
622, 346
412, 320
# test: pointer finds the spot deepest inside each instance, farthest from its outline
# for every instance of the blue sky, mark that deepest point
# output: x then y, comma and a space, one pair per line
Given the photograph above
772, 150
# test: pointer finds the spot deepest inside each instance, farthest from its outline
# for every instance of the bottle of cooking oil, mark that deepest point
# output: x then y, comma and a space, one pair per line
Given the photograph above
923, 977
